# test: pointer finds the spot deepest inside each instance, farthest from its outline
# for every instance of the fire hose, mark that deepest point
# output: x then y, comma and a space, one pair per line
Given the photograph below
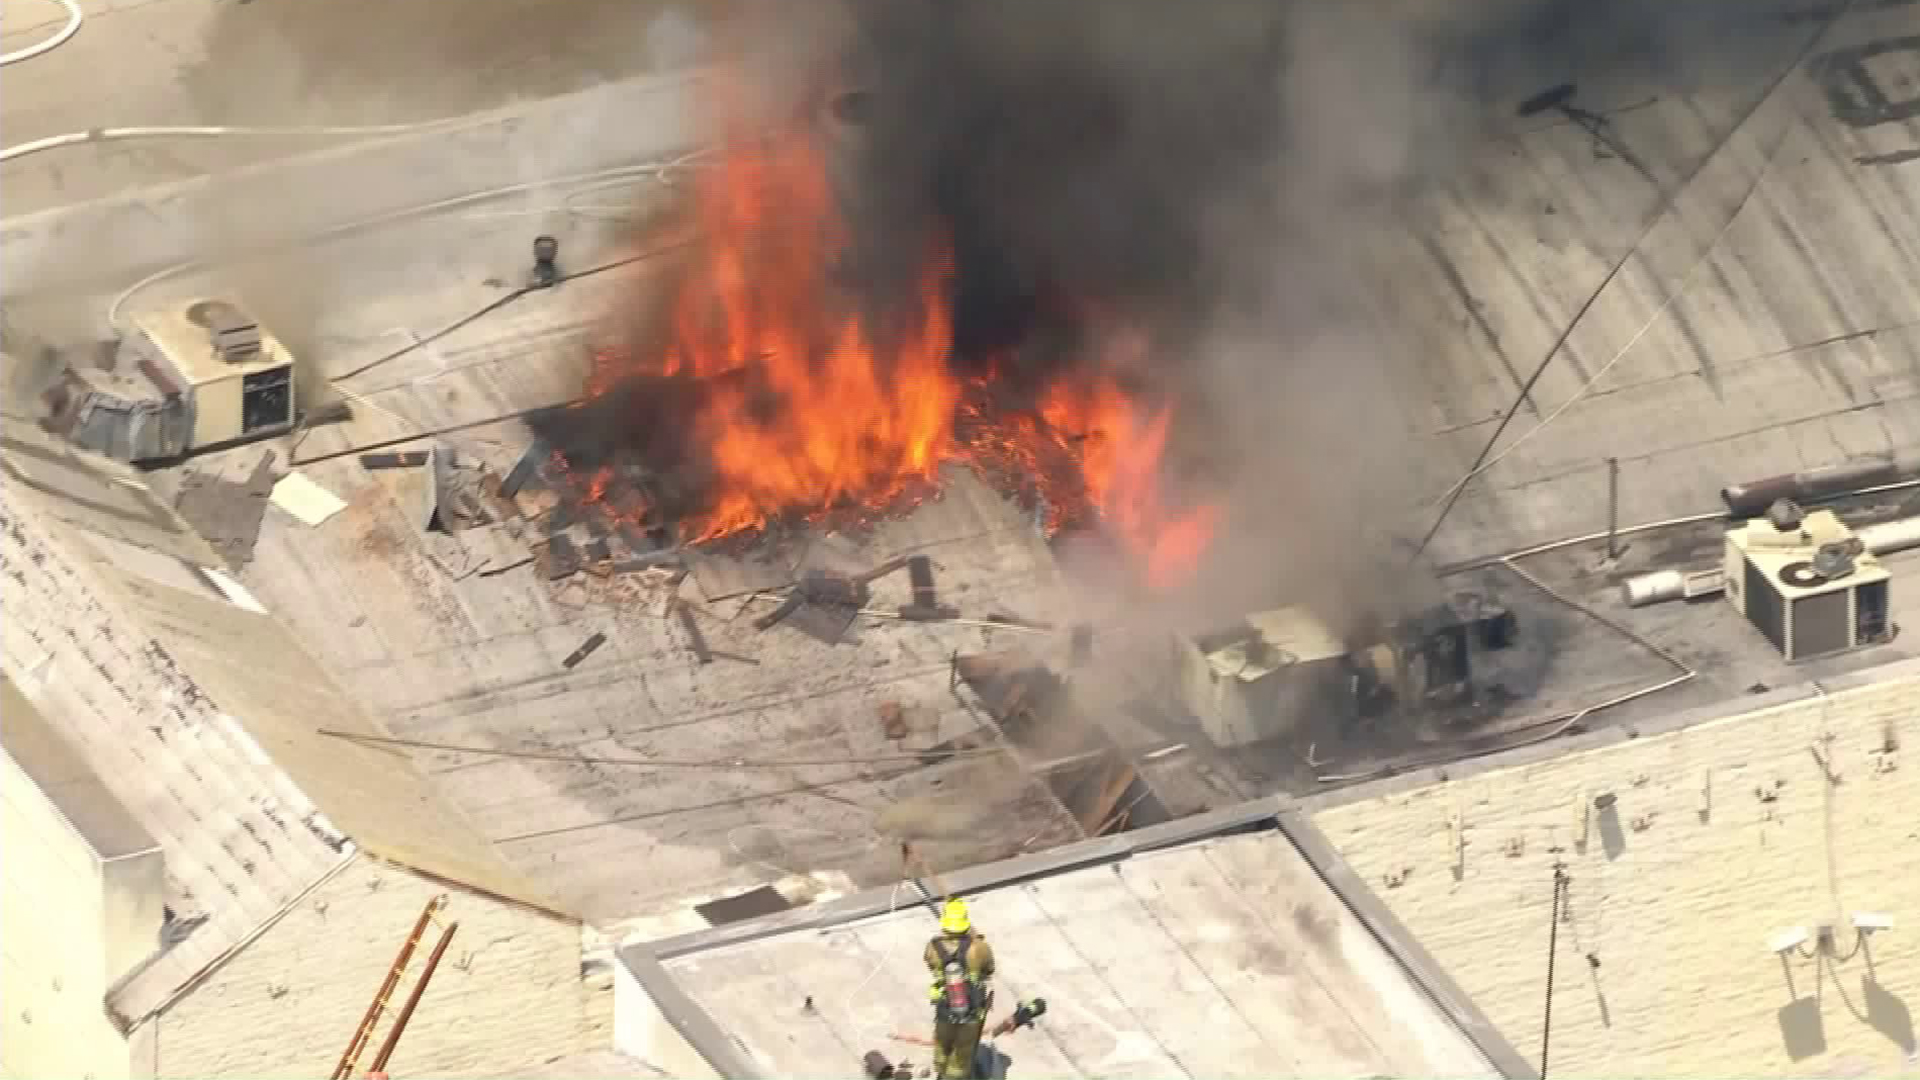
1024, 1015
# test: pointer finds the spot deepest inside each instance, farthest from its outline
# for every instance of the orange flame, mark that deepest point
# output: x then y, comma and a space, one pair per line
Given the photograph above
824, 417
1121, 465
823, 412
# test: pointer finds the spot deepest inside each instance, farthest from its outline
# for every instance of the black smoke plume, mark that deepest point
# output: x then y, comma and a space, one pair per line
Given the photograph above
1212, 168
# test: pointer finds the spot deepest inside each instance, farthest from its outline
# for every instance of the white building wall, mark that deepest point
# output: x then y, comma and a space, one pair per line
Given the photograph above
54, 943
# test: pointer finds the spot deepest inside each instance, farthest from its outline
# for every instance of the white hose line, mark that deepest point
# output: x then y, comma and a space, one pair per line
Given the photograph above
598, 179
74, 18
102, 135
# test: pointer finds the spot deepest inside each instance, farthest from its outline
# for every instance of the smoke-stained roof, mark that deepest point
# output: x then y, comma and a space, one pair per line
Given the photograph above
1766, 322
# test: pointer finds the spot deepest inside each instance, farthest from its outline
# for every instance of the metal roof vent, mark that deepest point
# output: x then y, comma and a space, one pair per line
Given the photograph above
235, 336
1785, 515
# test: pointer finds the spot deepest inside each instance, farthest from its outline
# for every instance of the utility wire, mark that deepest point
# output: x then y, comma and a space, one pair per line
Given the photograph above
650, 763
1481, 462
656, 170
499, 302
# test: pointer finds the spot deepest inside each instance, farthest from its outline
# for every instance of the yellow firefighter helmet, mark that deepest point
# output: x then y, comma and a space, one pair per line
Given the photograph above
954, 919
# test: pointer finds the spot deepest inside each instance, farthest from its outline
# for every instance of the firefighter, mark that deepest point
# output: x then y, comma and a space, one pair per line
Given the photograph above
961, 963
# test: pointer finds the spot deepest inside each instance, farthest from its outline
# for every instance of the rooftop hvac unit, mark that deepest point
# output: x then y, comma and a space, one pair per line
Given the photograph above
189, 377
1807, 582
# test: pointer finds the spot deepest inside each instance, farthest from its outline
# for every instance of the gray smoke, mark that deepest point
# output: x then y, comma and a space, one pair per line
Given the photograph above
1219, 171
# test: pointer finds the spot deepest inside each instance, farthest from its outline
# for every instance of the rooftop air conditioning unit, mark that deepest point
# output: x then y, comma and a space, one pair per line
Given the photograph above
190, 377
1807, 582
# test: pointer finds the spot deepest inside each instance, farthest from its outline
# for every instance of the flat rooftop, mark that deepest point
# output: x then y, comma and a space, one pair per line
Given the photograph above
1212, 955
1761, 323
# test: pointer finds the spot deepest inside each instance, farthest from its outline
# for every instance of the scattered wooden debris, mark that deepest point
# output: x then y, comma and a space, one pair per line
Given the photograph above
889, 567
735, 657
822, 587
893, 720
920, 573
558, 558
1014, 620
695, 638
788, 606
586, 649
827, 623
1100, 793
524, 469
723, 576
410, 459
917, 612
496, 571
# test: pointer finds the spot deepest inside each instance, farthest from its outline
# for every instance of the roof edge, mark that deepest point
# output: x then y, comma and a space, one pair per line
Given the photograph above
1401, 944
687, 1016
1534, 753
1276, 813
129, 1024
379, 853
1248, 816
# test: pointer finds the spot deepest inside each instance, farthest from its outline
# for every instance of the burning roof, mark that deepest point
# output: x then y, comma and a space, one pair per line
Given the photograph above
795, 397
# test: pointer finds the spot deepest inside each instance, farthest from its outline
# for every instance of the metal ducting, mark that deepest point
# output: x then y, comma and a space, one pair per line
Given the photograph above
1661, 586
1752, 499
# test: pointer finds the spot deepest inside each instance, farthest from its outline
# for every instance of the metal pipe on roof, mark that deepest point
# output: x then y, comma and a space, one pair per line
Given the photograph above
1752, 498
1887, 537
1660, 586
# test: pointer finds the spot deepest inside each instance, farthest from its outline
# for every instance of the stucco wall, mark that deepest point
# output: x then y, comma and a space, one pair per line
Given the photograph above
1721, 836
54, 1018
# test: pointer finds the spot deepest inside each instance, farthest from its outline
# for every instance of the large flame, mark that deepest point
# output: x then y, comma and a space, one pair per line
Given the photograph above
822, 411
823, 416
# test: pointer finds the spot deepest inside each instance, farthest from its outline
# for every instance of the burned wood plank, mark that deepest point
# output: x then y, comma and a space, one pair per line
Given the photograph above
695, 638
1093, 791
722, 576
1014, 620
826, 623
496, 571
411, 459
822, 587
927, 613
525, 469
499, 507
891, 566
778, 615
586, 649
920, 574
560, 558
597, 552
439, 491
